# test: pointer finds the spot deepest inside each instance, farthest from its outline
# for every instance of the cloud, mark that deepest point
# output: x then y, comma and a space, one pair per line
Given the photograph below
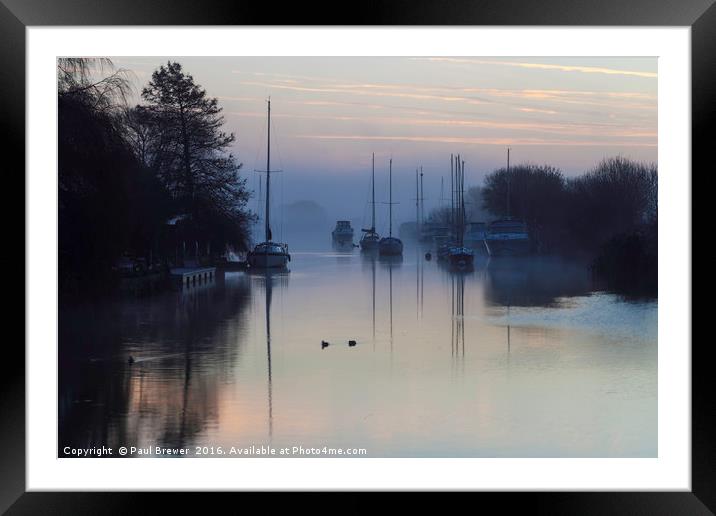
477, 140
536, 110
359, 91
544, 66
564, 128
240, 99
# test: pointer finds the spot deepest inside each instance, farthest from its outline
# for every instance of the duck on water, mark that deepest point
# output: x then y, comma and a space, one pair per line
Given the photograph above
268, 254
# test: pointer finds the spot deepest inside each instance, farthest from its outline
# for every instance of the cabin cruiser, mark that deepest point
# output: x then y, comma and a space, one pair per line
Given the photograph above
507, 237
343, 232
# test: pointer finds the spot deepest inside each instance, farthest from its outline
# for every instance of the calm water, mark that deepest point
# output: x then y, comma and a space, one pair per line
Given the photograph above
516, 358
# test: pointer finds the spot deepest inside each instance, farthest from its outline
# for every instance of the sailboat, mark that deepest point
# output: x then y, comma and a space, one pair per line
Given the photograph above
507, 237
390, 245
268, 254
446, 241
459, 255
370, 239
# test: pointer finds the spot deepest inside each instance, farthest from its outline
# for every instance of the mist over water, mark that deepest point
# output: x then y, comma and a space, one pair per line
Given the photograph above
516, 358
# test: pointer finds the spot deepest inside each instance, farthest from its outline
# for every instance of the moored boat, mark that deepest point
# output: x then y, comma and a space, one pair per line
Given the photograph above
370, 242
390, 245
459, 255
268, 254
343, 232
370, 239
507, 237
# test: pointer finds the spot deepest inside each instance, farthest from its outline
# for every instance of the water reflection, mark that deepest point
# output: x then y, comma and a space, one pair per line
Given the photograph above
240, 362
267, 279
182, 345
534, 281
419, 282
457, 294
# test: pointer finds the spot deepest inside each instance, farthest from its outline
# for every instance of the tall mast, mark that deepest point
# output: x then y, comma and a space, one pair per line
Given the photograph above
422, 199
462, 202
417, 205
458, 224
390, 196
372, 226
452, 196
268, 170
508, 182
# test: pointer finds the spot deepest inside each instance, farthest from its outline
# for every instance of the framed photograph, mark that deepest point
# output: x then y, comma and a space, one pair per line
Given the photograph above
421, 249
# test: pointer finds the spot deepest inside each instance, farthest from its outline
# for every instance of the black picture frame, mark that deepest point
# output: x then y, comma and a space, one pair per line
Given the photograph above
16, 15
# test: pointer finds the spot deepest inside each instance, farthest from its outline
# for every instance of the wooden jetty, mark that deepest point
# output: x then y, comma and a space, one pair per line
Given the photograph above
193, 275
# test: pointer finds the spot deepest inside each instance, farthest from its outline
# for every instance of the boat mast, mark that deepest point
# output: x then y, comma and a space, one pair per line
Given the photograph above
417, 205
508, 182
422, 199
372, 226
390, 196
462, 203
268, 171
452, 197
458, 222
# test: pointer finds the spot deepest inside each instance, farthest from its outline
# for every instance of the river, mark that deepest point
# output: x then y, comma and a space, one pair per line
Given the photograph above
516, 358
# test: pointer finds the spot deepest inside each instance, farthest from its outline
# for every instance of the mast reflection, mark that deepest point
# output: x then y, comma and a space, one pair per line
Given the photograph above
457, 331
390, 262
269, 277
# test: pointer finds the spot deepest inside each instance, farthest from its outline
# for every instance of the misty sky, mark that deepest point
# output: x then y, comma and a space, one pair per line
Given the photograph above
329, 114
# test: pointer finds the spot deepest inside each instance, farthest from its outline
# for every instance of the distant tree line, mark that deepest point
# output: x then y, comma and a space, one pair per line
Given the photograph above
616, 196
608, 215
124, 172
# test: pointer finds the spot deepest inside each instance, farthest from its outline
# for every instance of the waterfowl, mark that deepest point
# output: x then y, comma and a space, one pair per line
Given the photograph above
324, 344
130, 360
352, 343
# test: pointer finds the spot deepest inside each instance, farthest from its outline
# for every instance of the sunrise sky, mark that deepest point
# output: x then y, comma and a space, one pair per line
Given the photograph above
329, 114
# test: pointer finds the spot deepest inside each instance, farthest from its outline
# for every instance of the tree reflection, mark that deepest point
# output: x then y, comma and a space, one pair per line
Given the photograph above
185, 345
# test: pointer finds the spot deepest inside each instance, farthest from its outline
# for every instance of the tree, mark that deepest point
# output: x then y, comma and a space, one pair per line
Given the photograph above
536, 195
85, 80
616, 197
108, 202
178, 134
476, 209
